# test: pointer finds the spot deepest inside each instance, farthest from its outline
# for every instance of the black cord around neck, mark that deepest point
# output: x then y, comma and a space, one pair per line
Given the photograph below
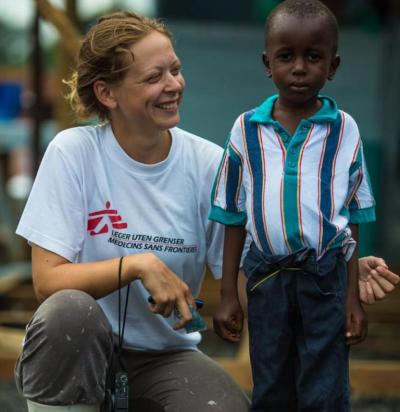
121, 333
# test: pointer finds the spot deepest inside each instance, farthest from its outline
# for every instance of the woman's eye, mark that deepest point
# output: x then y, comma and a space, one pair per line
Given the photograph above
154, 78
176, 70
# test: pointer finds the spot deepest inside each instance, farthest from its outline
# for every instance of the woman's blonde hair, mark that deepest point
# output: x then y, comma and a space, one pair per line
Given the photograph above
105, 55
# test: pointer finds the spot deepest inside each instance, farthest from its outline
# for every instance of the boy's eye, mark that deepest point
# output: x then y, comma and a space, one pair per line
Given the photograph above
313, 57
284, 56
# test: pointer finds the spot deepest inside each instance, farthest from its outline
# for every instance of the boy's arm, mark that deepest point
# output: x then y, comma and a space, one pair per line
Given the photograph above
356, 319
228, 318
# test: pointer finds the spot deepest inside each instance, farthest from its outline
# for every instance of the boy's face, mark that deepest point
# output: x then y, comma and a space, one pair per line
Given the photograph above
300, 56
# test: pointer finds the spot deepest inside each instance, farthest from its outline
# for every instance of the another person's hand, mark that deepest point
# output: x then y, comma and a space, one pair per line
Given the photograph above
228, 320
168, 291
375, 279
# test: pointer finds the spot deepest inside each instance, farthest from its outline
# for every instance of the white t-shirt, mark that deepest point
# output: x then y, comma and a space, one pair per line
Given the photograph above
91, 201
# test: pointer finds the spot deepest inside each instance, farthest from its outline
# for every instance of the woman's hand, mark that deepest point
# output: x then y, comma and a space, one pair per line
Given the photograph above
168, 291
375, 279
51, 273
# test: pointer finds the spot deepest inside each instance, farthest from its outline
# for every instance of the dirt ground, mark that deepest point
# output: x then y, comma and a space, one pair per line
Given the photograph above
11, 401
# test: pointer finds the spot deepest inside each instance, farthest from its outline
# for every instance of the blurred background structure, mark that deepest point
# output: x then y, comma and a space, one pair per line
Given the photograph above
220, 44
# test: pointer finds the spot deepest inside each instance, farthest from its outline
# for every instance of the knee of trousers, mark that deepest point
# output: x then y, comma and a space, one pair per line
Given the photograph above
69, 318
69, 339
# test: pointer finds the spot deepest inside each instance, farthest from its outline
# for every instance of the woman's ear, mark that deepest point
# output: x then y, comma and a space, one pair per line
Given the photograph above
266, 64
104, 94
333, 67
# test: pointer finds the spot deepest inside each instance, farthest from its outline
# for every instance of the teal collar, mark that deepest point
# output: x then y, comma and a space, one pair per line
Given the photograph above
327, 113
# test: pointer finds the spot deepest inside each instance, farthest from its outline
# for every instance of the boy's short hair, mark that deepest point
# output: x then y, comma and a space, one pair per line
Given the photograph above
305, 9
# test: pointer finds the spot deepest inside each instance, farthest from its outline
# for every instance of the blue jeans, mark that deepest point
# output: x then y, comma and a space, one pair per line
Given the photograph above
297, 317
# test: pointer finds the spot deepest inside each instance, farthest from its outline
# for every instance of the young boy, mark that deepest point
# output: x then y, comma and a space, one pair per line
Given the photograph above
293, 176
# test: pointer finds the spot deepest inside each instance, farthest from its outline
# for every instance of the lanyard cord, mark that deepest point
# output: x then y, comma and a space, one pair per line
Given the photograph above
121, 333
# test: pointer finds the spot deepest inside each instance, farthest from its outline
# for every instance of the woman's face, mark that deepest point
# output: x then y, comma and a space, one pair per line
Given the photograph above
148, 98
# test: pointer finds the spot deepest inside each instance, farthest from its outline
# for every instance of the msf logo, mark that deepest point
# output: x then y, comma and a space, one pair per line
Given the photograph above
98, 222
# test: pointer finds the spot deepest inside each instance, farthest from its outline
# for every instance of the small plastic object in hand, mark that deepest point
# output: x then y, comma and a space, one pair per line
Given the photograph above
197, 323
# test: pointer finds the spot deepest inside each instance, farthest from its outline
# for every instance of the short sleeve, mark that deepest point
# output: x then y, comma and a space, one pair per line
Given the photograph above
53, 217
360, 202
228, 197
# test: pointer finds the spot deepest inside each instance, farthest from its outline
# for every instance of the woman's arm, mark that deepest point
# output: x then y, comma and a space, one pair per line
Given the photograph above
52, 272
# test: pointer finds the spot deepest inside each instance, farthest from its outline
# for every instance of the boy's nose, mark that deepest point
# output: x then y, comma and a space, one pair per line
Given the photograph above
299, 66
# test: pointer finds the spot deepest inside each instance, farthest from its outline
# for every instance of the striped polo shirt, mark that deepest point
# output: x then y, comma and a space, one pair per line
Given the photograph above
294, 191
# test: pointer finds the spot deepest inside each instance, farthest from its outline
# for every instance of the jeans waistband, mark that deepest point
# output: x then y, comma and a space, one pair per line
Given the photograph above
304, 259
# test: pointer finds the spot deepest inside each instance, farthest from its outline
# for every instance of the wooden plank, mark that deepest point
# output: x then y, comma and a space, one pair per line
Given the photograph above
15, 316
368, 378
10, 348
10, 341
12, 275
375, 378
7, 365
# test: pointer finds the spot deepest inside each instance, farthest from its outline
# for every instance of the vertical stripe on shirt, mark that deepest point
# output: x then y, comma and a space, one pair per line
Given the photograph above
321, 218
352, 201
257, 169
233, 180
217, 181
291, 195
283, 150
299, 185
327, 174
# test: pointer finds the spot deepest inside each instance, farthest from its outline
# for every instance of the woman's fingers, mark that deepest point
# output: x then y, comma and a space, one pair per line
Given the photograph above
366, 293
391, 277
385, 284
169, 293
162, 305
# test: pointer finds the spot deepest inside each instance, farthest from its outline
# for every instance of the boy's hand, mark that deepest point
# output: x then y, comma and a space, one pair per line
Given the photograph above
375, 279
228, 320
356, 321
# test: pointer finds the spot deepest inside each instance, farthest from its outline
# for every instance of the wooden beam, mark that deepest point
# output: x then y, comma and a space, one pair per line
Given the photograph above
69, 34
10, 341
368, 378
375, 378
12, 275
15, 316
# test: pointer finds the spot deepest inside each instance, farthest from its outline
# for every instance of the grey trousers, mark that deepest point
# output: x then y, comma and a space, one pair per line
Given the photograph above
68, 357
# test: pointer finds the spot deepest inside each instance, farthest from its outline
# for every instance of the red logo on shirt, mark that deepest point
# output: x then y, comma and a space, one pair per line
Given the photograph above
98, 222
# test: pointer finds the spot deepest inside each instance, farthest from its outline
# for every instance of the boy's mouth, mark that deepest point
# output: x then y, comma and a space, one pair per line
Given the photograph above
299, 86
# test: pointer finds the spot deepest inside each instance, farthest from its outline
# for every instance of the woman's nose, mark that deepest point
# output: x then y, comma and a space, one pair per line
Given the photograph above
175, 82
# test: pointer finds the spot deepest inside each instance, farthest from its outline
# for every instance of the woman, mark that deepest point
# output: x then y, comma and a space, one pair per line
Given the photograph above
135, 187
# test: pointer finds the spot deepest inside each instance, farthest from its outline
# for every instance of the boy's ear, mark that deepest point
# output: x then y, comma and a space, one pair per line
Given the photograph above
104, 94
266, 63
335, 63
